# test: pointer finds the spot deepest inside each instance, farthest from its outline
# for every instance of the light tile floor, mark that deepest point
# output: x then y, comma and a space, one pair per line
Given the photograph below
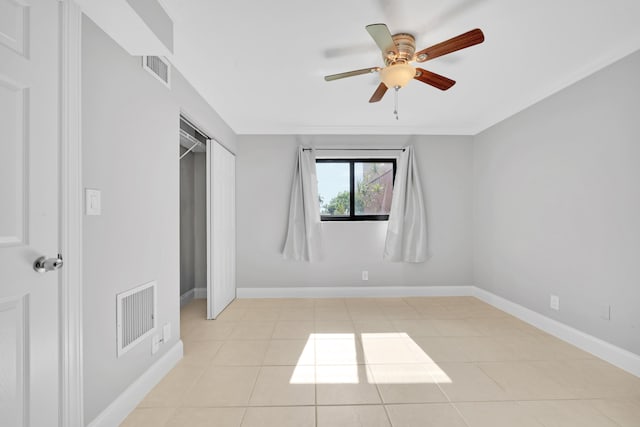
449, 361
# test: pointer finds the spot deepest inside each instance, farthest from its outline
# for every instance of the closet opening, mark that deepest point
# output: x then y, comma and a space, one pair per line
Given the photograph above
193, 212
207, 220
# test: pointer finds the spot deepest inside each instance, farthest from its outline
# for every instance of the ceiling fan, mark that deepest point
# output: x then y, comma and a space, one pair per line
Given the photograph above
398, 51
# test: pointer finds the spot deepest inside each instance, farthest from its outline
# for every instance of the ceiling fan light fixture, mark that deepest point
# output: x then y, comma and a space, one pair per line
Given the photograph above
397, 75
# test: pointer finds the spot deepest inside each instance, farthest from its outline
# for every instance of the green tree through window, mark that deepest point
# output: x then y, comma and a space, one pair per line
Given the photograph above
339, 205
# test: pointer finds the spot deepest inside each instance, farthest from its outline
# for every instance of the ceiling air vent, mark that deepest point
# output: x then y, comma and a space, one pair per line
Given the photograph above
159, 68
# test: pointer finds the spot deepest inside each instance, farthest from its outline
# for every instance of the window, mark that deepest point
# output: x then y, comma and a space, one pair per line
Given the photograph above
355, 189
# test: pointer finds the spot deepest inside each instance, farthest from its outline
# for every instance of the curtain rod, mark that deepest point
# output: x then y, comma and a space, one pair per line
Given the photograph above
355, 149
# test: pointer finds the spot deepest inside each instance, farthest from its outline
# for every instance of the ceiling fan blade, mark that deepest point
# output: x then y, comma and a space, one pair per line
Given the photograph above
379, 93
382, 36
433, 79
468, 39
351, 73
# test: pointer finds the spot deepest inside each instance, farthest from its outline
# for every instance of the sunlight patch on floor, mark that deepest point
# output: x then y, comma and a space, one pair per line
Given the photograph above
337, 374
390, 358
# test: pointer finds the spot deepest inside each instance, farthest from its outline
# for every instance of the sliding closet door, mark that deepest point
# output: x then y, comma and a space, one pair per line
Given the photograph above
221, 230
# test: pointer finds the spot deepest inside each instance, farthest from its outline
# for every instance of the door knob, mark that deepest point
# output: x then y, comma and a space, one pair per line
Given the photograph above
43, 264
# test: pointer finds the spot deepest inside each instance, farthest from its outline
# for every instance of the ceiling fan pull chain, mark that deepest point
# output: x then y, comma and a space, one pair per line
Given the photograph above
395, 111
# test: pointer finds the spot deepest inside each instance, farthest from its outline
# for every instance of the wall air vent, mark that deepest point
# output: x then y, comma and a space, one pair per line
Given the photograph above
159, 68
136, 316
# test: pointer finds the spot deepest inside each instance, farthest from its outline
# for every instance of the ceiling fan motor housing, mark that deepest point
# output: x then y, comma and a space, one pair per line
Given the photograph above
406, 45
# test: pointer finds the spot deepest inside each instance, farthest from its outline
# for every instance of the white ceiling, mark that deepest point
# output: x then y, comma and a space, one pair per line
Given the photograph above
260, 64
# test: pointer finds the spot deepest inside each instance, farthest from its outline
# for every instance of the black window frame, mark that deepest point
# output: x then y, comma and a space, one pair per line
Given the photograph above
352, 200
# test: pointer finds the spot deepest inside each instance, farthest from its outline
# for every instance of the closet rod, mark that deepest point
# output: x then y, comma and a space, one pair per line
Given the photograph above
355, 149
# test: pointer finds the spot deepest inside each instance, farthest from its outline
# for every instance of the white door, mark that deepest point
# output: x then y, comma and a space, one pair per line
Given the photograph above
221, 228
29, 145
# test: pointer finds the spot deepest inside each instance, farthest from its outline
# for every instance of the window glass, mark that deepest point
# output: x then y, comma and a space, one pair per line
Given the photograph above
333, 188
373, 188
355, 189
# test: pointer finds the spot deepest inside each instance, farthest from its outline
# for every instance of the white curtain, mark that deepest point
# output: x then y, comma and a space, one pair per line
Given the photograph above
407, 228
304, 237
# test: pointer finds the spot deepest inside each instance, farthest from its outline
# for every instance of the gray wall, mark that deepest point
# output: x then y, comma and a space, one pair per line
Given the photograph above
200, 220
264, 172
187, 234
130, 152
557, 205
193, 225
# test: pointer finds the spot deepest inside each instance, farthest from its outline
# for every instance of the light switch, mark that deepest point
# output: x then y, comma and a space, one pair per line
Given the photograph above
92, 201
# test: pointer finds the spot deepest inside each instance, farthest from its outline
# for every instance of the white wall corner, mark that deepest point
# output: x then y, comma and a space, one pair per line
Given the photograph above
158, 21
128, 23
617, 356
200, 293
127, 401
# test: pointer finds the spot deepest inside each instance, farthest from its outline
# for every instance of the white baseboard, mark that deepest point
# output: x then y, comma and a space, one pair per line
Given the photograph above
617, 356
127, 401
200, 293
355, 291
186, 297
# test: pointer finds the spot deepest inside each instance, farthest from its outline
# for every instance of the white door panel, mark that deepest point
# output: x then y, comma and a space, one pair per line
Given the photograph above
13, 164
29, 146
14, 26
222, 229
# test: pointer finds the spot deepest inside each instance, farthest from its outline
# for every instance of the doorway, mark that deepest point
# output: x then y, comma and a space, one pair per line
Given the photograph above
193, 212
207, 220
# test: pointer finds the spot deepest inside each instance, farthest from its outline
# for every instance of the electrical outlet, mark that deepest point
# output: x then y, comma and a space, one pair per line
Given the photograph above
554, 303
155, 344
166, 332
365, 275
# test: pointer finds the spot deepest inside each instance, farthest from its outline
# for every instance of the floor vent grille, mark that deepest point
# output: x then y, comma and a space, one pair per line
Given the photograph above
136, 316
